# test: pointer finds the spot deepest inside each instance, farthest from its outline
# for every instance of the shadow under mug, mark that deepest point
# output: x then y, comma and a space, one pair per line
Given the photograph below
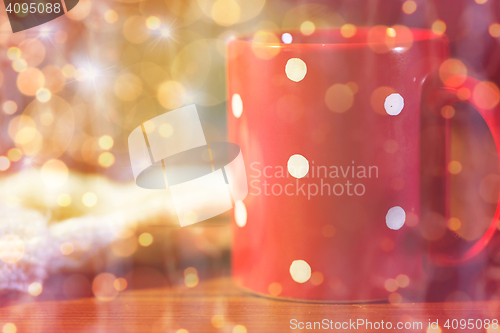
330, 129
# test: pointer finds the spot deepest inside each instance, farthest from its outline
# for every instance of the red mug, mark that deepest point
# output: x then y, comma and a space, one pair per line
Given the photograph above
330, 129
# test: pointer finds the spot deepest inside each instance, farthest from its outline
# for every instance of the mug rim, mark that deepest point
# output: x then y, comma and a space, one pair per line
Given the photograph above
419, 35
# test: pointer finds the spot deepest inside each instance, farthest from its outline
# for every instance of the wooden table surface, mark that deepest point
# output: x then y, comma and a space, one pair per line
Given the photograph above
216, 305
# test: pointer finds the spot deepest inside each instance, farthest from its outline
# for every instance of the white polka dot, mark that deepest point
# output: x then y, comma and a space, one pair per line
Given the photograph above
298, 166
296, 69
394, 104
237, 105
300, 271
287, 38
395, 218
240, 214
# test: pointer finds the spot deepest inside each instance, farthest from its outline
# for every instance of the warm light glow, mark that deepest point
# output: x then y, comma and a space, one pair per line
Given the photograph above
35, 289
103, 287
463, 94
106, 142
348, 30
300, 271
11, 249
265, 45
494, 30
9, 107
64, 200
438, 27
111, 16
19, 65
391, 32
454, 224
30, 81
191, 278
66, 248
317, 278
106, 159
153, 23
226, 12
47, 118
452, 72
486, 95
448, 112
54, 173
307, 28
145, 239
68, 70
298, 166
409, 7
403, 280
124, 247
454, 167
182, 330
480, 2
391, 285
378, 98
218, 321
4, 163
120, 284
339, 98
395, 298
43, 95
296, 69
239, 329
275, 289
14, 154
89, 199
9, 328
171, 94
13, 53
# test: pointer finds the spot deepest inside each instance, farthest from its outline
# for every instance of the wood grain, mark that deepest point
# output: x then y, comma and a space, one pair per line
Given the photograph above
173, 308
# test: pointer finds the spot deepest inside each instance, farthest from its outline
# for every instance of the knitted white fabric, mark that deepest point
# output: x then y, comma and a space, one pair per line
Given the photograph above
30, 238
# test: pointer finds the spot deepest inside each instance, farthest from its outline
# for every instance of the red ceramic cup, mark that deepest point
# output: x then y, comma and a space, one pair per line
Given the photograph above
330, 130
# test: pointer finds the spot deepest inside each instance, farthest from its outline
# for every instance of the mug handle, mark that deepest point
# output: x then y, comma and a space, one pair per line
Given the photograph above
485, 100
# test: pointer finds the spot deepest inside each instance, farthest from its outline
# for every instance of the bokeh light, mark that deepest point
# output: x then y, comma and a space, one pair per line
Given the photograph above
438, 27
145, 239
89, 199
9, 328
409, 7
35, 289
348, 30
300, 271
307, 28
103, 287
339, 98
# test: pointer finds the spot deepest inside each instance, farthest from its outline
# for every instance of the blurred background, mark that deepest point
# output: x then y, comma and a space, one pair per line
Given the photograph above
73, 89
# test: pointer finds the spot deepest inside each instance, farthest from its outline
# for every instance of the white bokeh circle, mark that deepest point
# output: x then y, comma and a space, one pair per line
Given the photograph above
300, 271
394, 104
395, 218
296, 69
298, 166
